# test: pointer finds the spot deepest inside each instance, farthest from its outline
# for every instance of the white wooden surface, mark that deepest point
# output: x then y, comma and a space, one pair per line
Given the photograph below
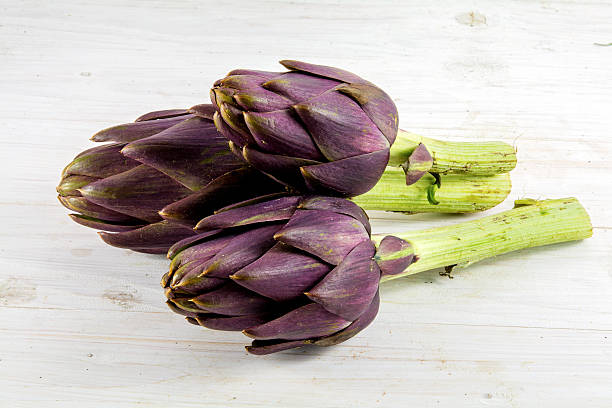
83, 324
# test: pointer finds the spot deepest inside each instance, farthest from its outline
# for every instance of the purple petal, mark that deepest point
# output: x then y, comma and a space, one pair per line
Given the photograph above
279, 132
203, 250
232, 116
349, 288
282, 273
192, 153
243, 82
69, 185
91, 210
394, 255
213, 99
325, 234
184, 306
237, 150
101, 161
181, 269
305, 322
260, 100
299, 87
140, 192
192, 320
165, 279
412, 176
339, 127
264, 74
234, 186
263, 347
377, 105
256, 200
273, 210
187, 279
419, 163
219, 96
337, 205
358, 325
156, 251
233, 323
205, 110
348, 177
186, 243
159, 236
233, 300
130, 132
229, 133
241, 251
176, 309
324, 71
285, 169
162, 114
101, 224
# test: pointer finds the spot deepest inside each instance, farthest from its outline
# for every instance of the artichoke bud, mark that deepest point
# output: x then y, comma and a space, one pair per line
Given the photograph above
317, 129
297, 270
159, 176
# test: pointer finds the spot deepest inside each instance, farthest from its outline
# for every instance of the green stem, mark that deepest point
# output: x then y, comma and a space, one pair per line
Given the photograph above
460, 193
479, 158
531, 223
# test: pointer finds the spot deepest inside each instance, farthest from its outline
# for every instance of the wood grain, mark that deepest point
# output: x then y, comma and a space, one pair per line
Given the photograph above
84, 324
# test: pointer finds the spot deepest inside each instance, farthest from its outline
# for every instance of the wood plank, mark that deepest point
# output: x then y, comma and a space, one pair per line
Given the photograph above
85, 324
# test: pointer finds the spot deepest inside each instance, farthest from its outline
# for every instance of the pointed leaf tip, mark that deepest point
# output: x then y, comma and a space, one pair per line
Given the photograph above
358, 325
347, 177
241, 251
418, 164
282, 273
377, 105
205, 110
233, 300
325, 234
394, 255
338, 205
263, 347
306, 322
162, 114
323, 70
348, 289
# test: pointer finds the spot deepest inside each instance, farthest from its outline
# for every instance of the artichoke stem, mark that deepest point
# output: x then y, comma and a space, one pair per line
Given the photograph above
459, 193
531, 223
478, 158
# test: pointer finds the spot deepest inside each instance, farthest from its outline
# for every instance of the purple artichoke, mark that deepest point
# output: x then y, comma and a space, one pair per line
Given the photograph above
160, 175
303, 270
317, 129
287, 272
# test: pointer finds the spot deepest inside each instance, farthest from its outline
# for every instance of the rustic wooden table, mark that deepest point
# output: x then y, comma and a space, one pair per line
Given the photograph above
83, 324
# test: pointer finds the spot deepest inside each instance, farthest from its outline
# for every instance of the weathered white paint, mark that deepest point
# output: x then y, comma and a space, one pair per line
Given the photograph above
83, 324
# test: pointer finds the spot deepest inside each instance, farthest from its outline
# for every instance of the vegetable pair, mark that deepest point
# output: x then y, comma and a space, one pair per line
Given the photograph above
259, 199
